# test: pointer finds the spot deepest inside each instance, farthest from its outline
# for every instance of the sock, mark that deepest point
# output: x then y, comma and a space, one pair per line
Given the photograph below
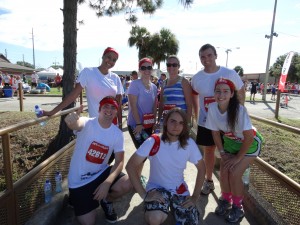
238, 200
227, 196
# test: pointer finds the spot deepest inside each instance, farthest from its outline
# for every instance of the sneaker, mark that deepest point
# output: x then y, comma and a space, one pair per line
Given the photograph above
144, 181
110, 214
207, 187
223, 207
235, 214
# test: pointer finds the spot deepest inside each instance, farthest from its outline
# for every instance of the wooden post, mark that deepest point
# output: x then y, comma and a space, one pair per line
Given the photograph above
277, 104
20, 90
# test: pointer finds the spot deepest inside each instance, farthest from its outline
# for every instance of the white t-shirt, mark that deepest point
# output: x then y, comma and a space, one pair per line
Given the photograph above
98, 86
34, 78
204, 83
93, 140
218, 122
169, 163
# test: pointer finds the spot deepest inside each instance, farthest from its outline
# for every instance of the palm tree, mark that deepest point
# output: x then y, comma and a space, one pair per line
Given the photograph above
162, 45
140, 37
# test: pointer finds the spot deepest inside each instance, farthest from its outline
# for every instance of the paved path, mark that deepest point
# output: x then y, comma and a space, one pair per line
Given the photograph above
260, 108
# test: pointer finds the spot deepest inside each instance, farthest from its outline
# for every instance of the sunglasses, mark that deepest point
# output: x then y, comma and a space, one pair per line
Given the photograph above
172, 64
143, 68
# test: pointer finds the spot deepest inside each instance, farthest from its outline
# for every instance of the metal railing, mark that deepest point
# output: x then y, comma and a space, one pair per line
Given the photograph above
22, 198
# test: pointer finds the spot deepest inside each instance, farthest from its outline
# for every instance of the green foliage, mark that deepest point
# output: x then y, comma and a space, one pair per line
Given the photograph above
158, 46
27, 64
239, 70
294, 70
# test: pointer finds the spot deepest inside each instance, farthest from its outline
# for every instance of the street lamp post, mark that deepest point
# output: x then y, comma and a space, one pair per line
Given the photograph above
269, 52
227, 50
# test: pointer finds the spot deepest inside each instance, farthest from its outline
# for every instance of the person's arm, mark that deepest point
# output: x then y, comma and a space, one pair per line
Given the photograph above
192, 201
133, 105
248, 139
66, 101
218, 141
119, 100
242, 95
101, 191
195, 100
161, 104
132, 168
187, 91
73, 120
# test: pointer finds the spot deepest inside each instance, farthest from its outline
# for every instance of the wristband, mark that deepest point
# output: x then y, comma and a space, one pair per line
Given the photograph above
222, 152
138, 124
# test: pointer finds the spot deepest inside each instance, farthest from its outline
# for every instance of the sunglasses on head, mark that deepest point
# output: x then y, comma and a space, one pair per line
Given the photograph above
146, 68
172, 64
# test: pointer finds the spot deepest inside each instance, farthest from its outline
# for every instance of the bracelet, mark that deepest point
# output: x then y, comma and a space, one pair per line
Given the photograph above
222, 152
138, 124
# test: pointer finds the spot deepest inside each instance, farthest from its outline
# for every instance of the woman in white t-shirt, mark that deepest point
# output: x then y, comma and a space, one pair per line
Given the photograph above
241, 144
98, 82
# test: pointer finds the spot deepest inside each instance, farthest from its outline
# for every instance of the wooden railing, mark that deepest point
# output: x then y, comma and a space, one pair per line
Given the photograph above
21, 198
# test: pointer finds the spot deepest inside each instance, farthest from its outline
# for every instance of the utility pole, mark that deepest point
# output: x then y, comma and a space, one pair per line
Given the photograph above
33, 49
269, 52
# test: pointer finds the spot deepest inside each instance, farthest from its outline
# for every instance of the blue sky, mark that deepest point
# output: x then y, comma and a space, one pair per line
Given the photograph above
227, 24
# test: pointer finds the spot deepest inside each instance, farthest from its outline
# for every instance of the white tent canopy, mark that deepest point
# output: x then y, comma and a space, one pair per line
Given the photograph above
51, 72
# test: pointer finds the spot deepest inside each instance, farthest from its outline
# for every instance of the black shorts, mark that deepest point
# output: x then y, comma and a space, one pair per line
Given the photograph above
204, 137
253, 92
81, 198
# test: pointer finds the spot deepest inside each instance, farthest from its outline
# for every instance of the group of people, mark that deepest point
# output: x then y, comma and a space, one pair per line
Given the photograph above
217, 96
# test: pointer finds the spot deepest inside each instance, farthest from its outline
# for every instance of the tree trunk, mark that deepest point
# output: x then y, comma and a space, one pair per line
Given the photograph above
65, 135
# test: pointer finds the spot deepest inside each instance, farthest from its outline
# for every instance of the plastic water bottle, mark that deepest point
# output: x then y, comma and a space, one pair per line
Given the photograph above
58, 182
39, 113
144, 134
138, 137
246, 176
48, 191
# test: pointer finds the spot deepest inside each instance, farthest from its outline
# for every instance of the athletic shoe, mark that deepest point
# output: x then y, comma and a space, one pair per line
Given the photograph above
207, 187
223, 207
235, 214
109, 211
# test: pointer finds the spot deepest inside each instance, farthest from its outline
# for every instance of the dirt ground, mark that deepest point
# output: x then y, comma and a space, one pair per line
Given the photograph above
28, 144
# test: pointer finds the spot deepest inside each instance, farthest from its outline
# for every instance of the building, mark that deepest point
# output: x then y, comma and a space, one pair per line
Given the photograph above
7, 67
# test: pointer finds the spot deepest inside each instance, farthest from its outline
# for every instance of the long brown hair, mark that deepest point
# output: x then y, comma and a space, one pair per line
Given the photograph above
184, 135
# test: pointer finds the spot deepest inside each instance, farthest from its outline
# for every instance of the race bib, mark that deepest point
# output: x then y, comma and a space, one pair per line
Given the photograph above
96, 153
148, 120
168, 107
207, 101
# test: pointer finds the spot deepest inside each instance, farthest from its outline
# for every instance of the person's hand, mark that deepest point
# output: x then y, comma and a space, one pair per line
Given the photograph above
47, 113
138, 129
101, 191
154, 195
73, 117
190, 201
231, 162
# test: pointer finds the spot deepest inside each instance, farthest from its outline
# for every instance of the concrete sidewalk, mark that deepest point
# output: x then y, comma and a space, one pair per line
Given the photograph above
130, 207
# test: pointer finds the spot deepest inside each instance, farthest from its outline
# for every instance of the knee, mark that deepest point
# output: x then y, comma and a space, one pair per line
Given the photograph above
155, 218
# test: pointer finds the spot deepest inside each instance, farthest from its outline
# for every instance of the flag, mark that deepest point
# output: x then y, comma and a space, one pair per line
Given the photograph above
285, 70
